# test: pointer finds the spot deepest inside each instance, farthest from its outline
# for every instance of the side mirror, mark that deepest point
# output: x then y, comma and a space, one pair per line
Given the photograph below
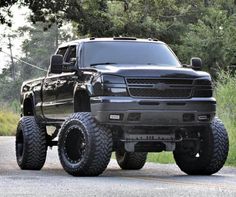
56, 64
196, 63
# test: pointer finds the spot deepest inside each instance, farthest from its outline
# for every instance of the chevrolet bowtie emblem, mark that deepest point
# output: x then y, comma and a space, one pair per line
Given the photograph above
160, 86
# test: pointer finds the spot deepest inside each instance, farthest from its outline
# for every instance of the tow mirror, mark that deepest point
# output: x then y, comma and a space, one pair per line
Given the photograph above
196, 63
56, 64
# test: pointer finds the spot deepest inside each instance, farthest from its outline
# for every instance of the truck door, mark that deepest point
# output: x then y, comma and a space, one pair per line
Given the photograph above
65, 86
49, 93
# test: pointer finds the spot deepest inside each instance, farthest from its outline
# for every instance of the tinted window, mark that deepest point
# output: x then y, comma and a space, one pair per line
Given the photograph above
71, 56
128, 53
62, 51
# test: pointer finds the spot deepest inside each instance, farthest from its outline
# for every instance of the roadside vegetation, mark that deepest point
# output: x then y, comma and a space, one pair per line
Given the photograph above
8, 122
225, 93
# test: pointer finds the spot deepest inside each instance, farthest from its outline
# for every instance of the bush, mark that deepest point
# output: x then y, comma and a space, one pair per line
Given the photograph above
8, 122
225, 93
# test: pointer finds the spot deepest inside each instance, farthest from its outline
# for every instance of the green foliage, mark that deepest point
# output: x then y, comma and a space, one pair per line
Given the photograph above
10, 90
212, 38
201, 28
163, 157
8, 122
39, 47
225, 94
5, 13
37, 50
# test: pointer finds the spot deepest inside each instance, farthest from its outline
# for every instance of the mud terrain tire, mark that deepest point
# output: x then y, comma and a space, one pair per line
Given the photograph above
213, 151
131, 161
84, 146
31, 147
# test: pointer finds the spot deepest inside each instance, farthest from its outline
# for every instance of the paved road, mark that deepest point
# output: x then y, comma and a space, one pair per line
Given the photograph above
152, 180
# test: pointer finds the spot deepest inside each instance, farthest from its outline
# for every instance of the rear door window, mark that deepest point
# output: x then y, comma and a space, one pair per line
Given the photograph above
62, 51
71, 55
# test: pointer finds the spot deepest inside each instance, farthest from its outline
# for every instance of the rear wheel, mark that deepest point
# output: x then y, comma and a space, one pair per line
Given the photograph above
208, 155
31, 147
84, 146
131, 160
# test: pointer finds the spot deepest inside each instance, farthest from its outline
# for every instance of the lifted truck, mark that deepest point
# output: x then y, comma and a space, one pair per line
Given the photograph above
127, 95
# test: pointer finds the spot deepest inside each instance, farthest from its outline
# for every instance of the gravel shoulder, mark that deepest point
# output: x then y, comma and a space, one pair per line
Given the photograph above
152, 180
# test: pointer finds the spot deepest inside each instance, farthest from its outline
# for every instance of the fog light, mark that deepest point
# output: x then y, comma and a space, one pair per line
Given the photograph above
134, 117
115, 116
188, 117
203, 117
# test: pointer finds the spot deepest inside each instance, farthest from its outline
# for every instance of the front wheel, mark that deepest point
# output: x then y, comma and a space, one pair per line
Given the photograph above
84, 146
211, 154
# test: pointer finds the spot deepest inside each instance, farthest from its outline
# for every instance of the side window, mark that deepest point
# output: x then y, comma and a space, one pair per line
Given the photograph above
71, 55
62, 51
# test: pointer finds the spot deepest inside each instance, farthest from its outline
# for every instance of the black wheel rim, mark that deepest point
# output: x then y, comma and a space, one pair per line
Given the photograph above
197, 151
75, 144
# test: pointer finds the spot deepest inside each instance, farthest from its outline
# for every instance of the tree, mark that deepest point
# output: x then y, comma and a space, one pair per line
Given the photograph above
142, 18
212, 38
5, 12
192, 27
37, 49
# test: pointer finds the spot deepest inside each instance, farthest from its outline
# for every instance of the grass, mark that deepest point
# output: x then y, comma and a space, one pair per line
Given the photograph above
225, 93
163, 157
8, 123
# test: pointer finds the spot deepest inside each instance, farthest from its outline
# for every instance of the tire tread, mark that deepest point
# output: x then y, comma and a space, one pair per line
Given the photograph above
132, 160
101, 145
35, 149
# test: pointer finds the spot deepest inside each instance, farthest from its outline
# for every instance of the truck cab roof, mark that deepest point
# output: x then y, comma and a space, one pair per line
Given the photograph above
114, 39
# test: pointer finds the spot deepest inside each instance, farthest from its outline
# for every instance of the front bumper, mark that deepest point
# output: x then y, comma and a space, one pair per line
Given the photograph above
153, 112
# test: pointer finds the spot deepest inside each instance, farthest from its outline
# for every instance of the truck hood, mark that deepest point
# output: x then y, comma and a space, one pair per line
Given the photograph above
149, 71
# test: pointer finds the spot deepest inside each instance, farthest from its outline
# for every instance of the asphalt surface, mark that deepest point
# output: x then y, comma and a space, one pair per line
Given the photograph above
152, 180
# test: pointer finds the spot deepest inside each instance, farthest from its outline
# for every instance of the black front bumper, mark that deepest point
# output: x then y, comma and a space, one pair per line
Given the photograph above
153, 112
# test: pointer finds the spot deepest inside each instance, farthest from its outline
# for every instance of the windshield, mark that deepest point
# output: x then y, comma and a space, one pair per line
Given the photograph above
120, 52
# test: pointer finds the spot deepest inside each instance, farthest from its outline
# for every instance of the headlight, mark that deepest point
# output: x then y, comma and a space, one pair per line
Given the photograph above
109, 91
109, 85
203, 88
112, 79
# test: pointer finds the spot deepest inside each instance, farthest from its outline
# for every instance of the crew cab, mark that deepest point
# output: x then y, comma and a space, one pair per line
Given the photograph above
127, 95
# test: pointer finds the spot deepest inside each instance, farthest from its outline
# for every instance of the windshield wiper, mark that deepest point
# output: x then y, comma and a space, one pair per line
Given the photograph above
103, 63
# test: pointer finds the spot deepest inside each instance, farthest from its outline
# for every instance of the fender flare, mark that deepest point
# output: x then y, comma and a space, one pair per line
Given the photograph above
30, 96
85, 89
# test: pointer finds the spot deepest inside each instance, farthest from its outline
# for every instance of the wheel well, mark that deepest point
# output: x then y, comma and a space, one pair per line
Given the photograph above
28, 107
82, 101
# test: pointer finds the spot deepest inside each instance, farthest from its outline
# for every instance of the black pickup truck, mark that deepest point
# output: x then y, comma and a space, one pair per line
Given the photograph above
127, 95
